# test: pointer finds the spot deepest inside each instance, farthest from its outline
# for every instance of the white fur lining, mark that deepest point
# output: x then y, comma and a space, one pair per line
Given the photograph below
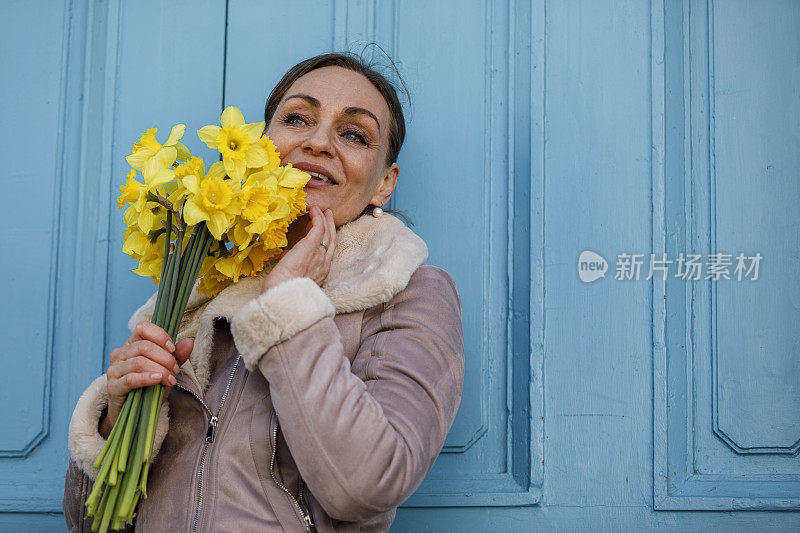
373, 260
267, 320
85, 442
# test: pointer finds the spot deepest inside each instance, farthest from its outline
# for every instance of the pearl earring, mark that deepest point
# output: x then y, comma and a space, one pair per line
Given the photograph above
377, 211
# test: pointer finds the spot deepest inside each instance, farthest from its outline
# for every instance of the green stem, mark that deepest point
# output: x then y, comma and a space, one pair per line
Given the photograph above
109, 505
129, 428
164, 290
186, 261
160, 303
143, 479
132, 476
98, 517
173, 282
189, 278
158, 389
112, 436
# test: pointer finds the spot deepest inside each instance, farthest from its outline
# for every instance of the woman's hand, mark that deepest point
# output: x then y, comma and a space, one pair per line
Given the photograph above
147, 357
307, 258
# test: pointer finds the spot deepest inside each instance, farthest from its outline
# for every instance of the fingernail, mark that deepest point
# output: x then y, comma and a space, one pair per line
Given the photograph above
176, 369
170, 346
155, 375
171, 379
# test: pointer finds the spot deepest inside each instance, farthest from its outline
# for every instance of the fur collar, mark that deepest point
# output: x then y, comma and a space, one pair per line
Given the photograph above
373, 260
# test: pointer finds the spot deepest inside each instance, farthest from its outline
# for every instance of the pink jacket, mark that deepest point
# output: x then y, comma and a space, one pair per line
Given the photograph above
332, 416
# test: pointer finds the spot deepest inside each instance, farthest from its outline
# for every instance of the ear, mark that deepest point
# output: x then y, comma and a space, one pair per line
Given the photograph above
386, 186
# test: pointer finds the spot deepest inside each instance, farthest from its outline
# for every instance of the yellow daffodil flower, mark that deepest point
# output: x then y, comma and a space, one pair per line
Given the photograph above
237, 142
193, 167
291, 177
211, 200
158, 169
256, 198
272, 152
212, 284
148, 147
130, 192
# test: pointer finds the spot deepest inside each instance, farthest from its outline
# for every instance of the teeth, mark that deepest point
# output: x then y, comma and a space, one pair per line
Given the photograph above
320, 177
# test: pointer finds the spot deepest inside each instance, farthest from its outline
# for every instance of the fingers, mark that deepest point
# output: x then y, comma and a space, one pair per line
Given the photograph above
317, 231
140, 371
147, 349
148, 331
307, 258
330, 236
183, 350
145, 359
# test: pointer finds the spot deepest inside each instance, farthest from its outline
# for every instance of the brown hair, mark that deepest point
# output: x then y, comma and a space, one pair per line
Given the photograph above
397, 128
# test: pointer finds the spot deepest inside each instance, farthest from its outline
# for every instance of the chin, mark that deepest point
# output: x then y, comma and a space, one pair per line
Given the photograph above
314, 198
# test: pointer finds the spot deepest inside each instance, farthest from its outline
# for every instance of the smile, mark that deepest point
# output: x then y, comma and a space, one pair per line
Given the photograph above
321, 177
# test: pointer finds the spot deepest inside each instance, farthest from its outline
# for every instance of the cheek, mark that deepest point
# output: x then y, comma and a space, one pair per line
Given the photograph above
361, 173
282, 137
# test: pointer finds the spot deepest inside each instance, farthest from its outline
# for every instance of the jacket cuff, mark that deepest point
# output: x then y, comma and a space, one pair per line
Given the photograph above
85, 442
276, 315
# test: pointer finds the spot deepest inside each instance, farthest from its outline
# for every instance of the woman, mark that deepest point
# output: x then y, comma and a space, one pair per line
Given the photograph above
317, 395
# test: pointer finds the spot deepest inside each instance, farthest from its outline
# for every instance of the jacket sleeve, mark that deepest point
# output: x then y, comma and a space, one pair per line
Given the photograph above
85, 444
362, 446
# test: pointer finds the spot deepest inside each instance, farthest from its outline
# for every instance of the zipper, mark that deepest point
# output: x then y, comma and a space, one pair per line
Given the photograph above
210, 434
308, 523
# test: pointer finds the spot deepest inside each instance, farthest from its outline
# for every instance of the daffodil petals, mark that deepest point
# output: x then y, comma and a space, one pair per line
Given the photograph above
183, 153
256, 156
232, 117
217, 224
136, 242
229, 166
190, 182
234, 168
239, 168
166, 156
257, 178
130, 216
147, 220
217, 170
155, 175
192, 214
209, 134
229, 267
138, 159
259, 226
253, 130
176, 134
293, 178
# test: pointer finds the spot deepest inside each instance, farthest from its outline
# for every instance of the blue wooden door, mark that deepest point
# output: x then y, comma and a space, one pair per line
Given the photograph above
538, 130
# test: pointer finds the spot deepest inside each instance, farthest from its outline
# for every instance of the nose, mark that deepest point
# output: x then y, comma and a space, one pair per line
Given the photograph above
318, 142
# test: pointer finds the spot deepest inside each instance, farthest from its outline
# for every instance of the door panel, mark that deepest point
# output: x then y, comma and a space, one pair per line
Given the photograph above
728, 405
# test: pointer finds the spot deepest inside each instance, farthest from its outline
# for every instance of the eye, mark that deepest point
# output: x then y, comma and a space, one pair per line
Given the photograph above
294, 119
355, 136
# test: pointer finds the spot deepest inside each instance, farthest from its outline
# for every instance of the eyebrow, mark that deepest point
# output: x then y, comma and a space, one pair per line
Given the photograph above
347, 111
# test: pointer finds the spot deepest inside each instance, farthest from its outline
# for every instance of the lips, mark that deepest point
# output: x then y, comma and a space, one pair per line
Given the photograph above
320, 176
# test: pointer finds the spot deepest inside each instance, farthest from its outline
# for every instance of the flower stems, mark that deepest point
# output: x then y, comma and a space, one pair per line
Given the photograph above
124, 462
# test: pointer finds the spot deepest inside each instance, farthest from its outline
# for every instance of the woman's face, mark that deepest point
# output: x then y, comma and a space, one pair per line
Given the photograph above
334, 124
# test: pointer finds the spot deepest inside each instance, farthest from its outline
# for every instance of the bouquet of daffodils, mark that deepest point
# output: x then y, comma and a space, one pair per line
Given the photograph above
183, 223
